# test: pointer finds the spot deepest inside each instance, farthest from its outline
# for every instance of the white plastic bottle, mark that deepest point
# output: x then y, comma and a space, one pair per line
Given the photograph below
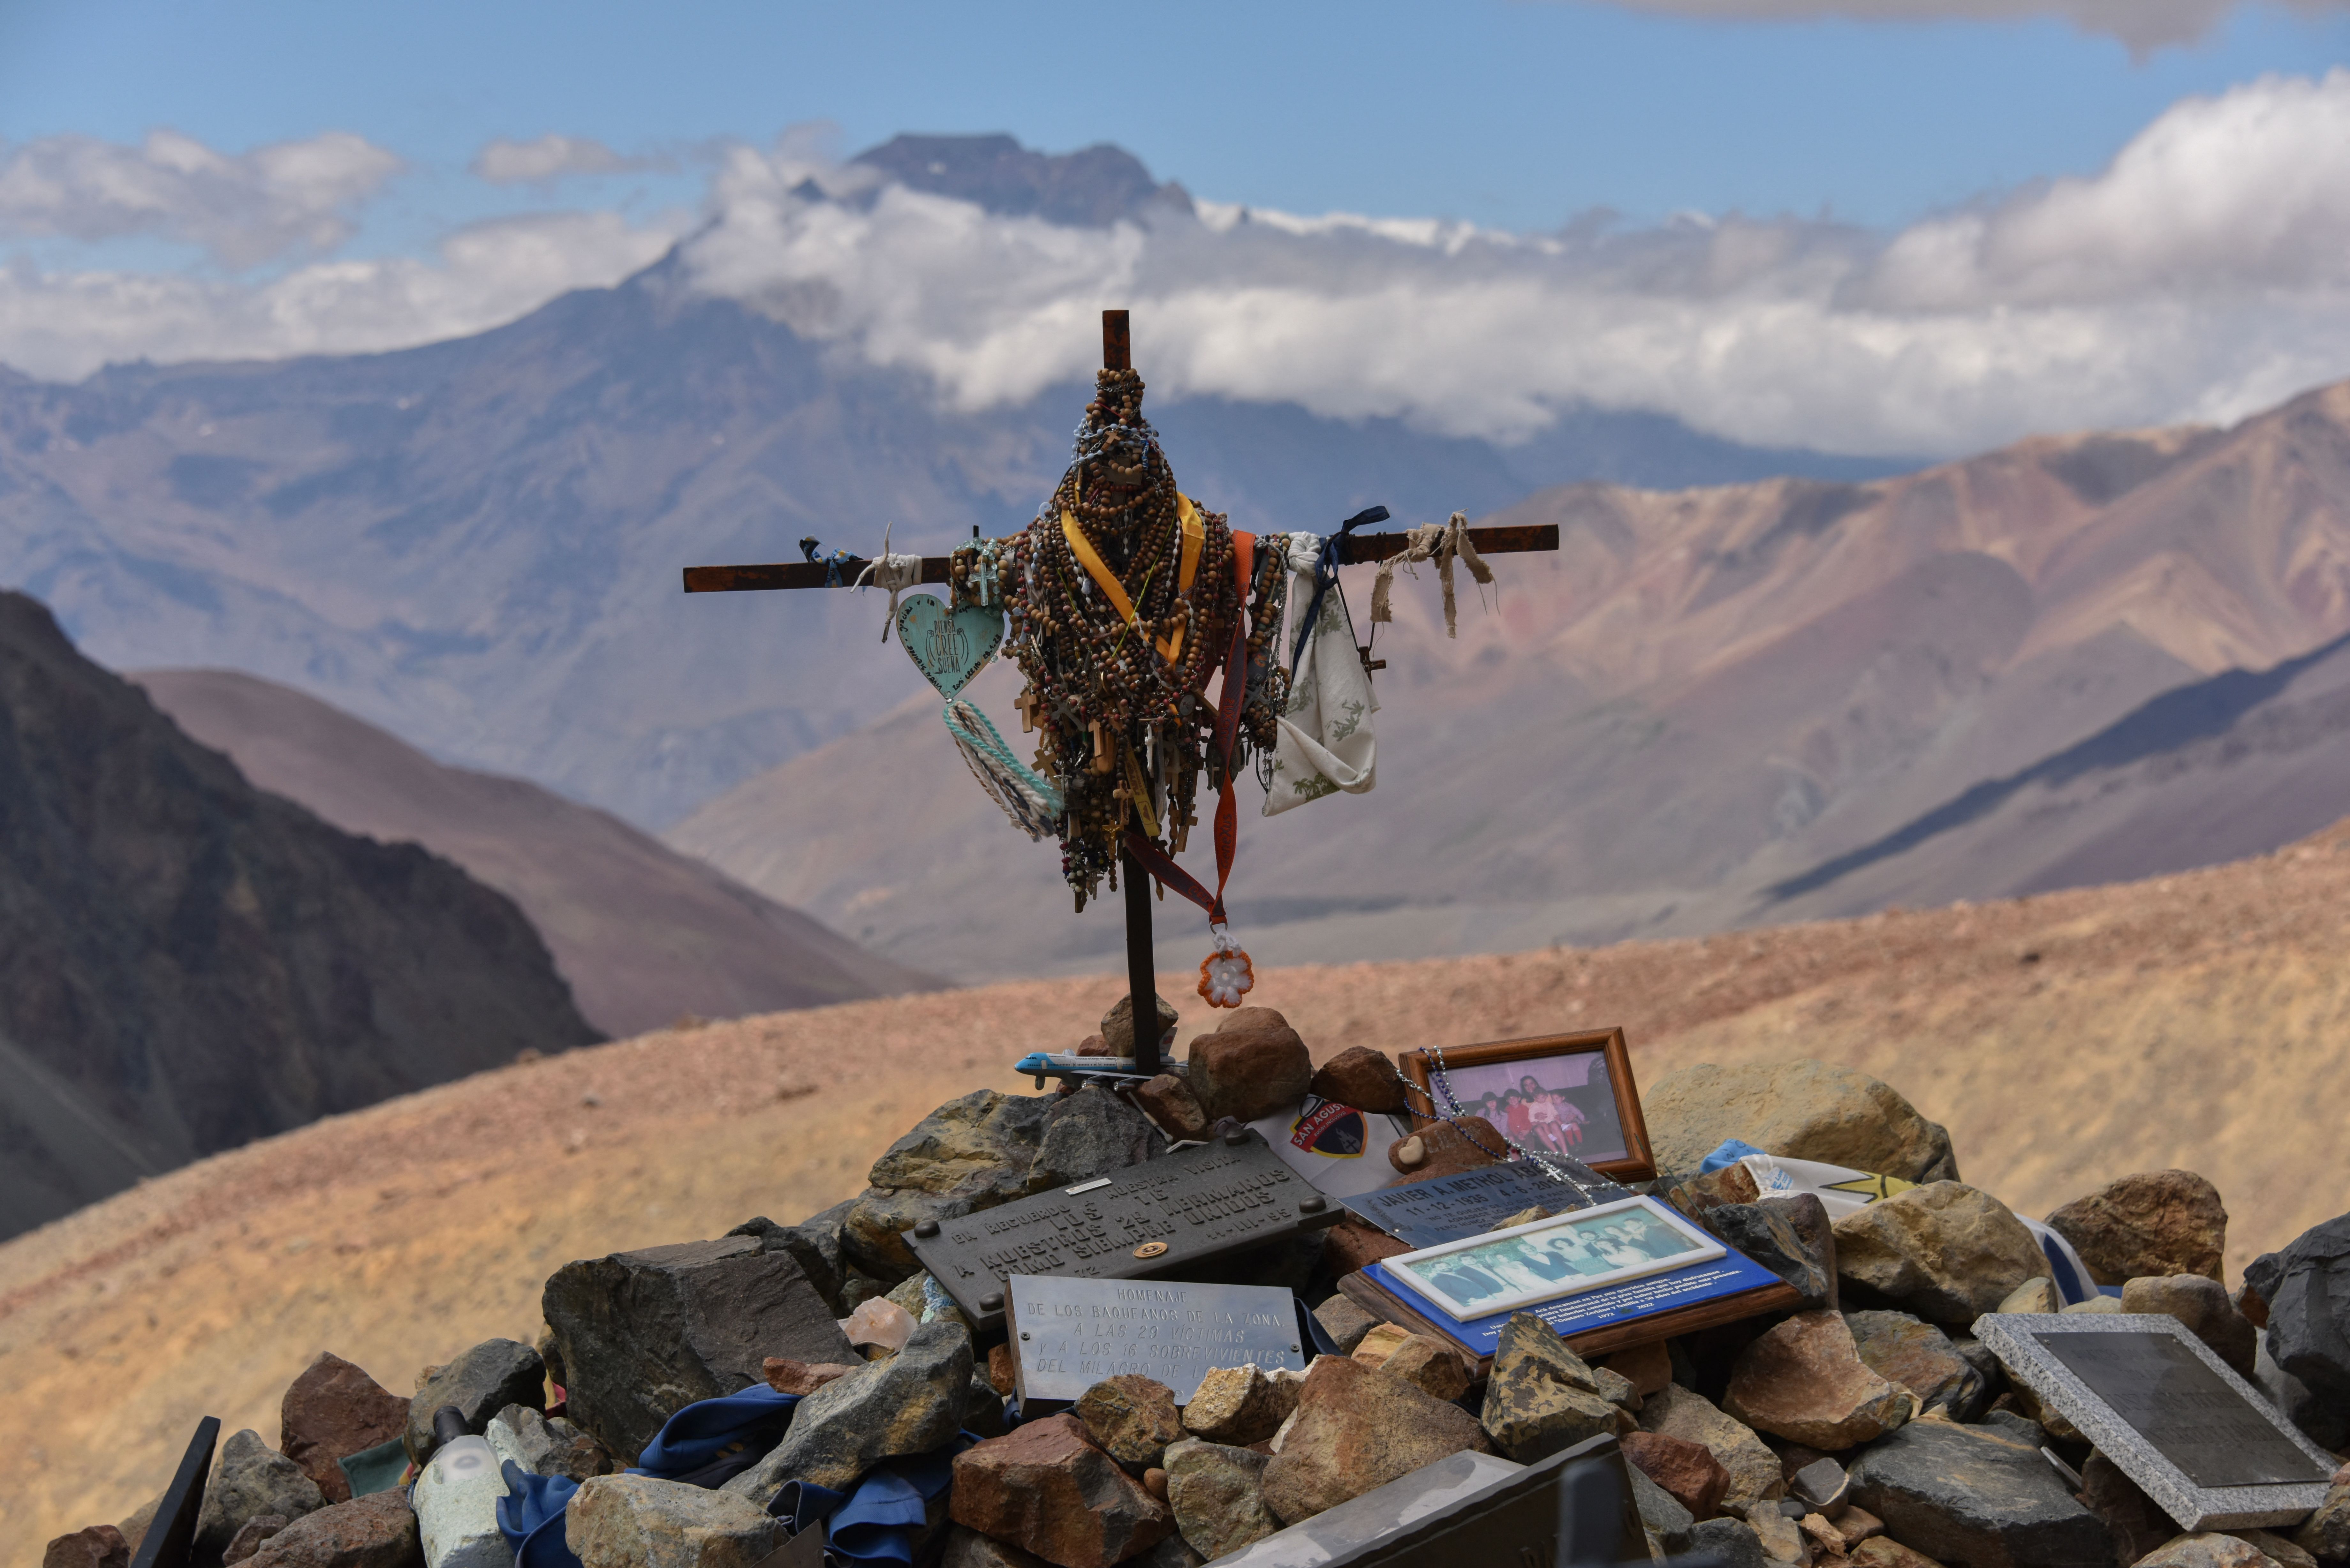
456, 1499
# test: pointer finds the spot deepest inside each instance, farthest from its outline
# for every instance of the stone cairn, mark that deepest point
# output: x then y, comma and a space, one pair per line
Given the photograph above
1867, 1427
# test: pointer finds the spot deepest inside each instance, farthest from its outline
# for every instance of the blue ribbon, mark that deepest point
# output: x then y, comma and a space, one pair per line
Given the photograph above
1325, 574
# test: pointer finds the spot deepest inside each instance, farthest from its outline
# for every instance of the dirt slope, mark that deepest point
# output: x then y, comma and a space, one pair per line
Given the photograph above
2197, 1021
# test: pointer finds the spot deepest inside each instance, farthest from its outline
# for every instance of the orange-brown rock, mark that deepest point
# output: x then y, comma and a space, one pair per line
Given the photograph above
1351, 1244
1648, 1367
1446, 1148
331, 1412
1250, 1066
1132, 1419
2156, 1222
1363, 1078
1046, 1489
1357, 1428
786, 1376
1433, 1365
1688, 1470
1803, 1380
1168, 1101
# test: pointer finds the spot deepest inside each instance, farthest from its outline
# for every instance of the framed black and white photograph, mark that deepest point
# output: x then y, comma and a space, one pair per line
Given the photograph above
1561, 1256
1553, 1093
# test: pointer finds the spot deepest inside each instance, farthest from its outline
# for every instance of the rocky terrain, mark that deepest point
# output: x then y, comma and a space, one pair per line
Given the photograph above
642, 934
187, 963
2064, 1040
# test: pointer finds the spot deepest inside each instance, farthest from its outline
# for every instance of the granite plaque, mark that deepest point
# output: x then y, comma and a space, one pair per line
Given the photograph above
2195, 1436
1454, 1208
1068, 1335
1158, 1218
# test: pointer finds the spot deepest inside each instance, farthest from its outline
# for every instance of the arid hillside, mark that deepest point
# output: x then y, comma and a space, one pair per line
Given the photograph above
2197, 1021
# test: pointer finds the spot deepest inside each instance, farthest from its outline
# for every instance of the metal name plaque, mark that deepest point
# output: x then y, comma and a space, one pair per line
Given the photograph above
1068, 1335
2199, 1439
1455, 1208
1156, 1218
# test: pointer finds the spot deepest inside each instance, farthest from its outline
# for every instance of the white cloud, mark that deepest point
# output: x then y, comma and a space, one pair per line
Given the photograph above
2141, 24
550, 158
244, 210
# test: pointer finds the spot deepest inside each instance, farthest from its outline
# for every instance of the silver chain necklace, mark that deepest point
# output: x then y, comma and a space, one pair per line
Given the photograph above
1559, 1167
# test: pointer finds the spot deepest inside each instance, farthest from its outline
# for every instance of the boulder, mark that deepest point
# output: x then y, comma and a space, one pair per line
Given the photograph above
1447, 1149
1092, 1133
1169, 1101
2206, 1551
1728, 1544
2136, 1523
546, 1447
1132, 1419
1977, 1497
250, 1536
98, 1546
1542, 1397
1217, 1494
1357, 1428
376, 1531
2037, 1295
2307, 1288
1754, 1468
2202, 1304
1803, 1380
639, 1522
1433, 1365
250, 1480
969, 1154
1776, 1533
1171, 1553
646, 1333
813, 1244
1687, 1471
1648, 1367
1118, 1025
2156, 1222
786, 1376
1667, 1523
1943, 1251
968, 1548
1046, 1489
1253, 1066
1919, 1356
331, 1412
1803, 1110
1363, 1078
2326, 1534
482, 1382
1343, 1321
1767, 1234
1822, 1486
1884, 1552
1238, 1406
909, 1404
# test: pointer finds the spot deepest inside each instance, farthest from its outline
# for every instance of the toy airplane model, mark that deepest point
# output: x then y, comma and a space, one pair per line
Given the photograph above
1077, 1071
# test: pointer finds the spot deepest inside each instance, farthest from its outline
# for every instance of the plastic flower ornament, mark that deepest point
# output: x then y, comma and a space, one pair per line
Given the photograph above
1226, 975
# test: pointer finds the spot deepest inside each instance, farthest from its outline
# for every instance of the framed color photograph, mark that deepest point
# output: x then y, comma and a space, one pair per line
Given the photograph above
1562, 1256
1555, 1094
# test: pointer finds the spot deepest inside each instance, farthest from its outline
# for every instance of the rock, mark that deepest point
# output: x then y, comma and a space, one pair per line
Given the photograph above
376, 1531
134, 1528
2095, 1305
1754, 1468
1920, 1357
2276, 1548
1766, 1235
1687, 1471
1253, 1066
1046, 1489
1617, 1389
1856, 1525
250, 1480
909, 1404
646, 1333
1383, 1341
2037, 1295
1154, 1479
1661, 1514
1884, 1552
1118, 1025
1446, 1148
813, 1244
1356, 1428
1700, 1195
2206, 1551
2132, 1520
1132, 1419
1727, 1542
639, 1522
331, 1412
484, 1380
1238, 1406
1648, 1367
2158, 1222
1977, 1497
1092, 1133
1433, 1365
546, 1447
1363, 1078
1170, 1102
2326, 1534
1343, 1321
1803, 1110
2307, 1288
879, 1322
1803, 1380
1351, 1244
967, 1548
1542, 1397
249, 1537
1781, 1541
1171, 1553
786, 1376
1944, 1251
968, 1155
98, 1546
1217, 1493
1822, 1536
1823, 1485
2202, 1304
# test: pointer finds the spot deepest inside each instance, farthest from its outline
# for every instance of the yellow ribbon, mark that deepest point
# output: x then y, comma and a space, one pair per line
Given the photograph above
1195, 538
1138, 789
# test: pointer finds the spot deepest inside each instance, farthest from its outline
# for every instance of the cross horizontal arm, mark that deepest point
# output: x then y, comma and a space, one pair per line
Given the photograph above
1359, 548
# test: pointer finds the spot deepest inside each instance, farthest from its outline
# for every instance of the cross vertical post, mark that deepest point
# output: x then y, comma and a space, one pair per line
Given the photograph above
1141, 980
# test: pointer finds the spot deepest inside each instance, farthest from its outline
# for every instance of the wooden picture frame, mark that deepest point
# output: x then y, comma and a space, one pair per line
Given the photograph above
1468, 1069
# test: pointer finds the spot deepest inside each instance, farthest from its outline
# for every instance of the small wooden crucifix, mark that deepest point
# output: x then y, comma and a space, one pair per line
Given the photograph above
1350, 549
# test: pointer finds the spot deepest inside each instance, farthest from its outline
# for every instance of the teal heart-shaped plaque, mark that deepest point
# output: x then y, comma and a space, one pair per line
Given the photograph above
949, 648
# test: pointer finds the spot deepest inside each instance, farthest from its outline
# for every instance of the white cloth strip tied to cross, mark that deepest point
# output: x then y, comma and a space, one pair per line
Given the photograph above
1441, 543
894, 572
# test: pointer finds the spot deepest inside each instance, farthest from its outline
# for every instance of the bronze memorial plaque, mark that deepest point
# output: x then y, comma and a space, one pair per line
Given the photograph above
1156, 1218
